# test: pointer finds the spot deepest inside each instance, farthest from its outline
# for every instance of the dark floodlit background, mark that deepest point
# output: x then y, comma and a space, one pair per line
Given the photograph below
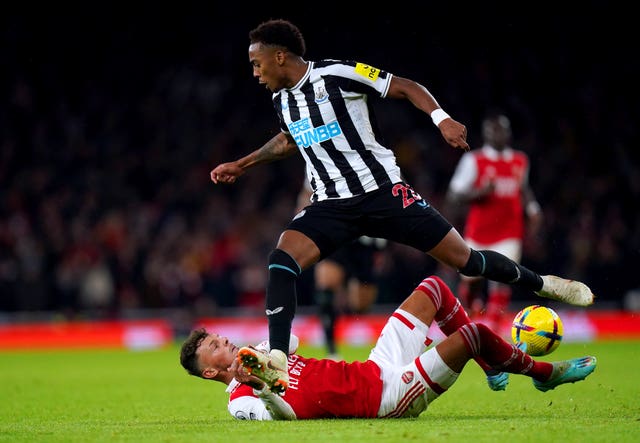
112, 117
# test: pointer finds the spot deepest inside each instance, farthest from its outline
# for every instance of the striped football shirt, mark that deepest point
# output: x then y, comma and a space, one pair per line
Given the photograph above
329, 115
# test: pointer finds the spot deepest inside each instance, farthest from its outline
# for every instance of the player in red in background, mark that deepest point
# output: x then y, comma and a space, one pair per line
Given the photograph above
494, 182
399, 379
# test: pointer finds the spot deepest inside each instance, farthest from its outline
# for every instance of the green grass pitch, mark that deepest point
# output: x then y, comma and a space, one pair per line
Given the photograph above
145, 396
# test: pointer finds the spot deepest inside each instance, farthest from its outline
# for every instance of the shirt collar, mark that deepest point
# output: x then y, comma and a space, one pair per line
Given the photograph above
494, 154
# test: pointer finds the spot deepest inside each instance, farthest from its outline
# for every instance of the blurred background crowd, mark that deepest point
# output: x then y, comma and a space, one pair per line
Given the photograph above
110, 121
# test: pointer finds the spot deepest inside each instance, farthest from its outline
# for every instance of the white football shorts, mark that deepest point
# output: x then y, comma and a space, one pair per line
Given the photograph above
411, 377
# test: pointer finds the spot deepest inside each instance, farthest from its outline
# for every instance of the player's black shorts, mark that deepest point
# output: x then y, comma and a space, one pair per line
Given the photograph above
394, 212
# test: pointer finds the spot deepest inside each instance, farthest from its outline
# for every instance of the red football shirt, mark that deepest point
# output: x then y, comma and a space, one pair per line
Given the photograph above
500, 215
327, 388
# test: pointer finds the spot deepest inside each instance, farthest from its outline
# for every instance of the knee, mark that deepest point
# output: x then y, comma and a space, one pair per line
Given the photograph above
278, 259
482, 328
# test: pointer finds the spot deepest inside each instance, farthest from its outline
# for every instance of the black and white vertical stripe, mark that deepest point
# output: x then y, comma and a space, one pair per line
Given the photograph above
353, 162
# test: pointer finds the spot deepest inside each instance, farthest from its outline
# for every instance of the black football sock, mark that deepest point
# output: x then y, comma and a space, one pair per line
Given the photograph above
281, 299
497, 267
327, 314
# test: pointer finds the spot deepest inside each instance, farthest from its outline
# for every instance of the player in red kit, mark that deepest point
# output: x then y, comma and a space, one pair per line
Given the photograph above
494, 182
400, 378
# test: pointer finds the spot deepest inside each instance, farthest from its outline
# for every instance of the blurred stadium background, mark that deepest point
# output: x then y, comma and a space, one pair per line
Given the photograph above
111, 119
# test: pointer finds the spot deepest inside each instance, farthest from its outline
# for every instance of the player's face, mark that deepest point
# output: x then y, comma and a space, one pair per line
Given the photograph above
267, 65
497, 132
216, 352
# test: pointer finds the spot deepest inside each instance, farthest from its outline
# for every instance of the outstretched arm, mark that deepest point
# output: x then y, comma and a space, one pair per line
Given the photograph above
263, 407
279, 147
454, 133
270, 406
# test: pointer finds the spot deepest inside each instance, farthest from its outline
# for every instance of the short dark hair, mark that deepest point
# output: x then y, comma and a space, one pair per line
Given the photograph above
188, 357
279, 32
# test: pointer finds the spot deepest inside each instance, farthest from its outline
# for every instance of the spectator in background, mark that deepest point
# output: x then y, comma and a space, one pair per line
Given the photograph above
493, 184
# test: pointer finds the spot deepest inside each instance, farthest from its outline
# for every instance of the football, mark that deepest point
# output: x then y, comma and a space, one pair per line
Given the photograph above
539, 328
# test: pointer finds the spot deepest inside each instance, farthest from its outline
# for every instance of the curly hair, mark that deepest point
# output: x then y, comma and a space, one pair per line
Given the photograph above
188, 357
279, 32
